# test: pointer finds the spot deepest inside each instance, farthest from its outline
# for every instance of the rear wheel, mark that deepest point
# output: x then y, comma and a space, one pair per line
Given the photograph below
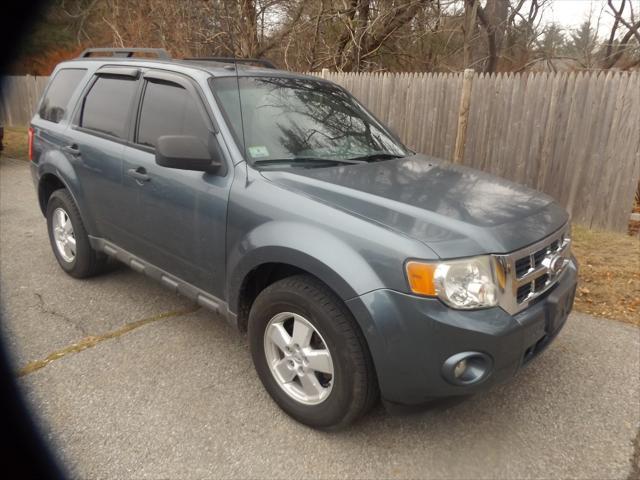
69, 239
309, 353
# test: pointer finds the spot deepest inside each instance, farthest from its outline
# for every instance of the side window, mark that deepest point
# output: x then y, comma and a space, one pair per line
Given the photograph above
62, 86
106, 107
169, 109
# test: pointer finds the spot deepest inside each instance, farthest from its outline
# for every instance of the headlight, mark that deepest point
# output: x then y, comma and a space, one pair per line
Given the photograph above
465, 284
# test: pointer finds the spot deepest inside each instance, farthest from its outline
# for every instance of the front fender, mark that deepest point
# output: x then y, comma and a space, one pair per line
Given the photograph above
336, 263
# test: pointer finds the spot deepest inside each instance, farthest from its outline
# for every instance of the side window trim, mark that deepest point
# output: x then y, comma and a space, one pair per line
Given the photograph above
109, 72
119, 71
176, 80
190, 86
135, 125
169, 78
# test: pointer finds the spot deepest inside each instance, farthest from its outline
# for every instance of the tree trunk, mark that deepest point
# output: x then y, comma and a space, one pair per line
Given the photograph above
493, 18
248, 29
470, 13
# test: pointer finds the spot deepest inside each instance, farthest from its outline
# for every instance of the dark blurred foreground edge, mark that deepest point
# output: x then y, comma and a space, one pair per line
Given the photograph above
24, 451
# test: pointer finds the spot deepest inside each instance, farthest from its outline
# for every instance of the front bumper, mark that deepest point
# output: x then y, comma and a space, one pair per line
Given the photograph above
411, 337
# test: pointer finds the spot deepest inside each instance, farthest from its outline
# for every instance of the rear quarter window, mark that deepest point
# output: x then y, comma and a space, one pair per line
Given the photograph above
56, 99
107, 105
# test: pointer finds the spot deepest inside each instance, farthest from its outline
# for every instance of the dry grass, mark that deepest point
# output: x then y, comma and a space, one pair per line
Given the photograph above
609, 274
15, 143
609, 262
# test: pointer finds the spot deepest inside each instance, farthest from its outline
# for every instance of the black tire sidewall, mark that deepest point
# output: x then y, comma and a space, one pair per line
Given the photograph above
336, 407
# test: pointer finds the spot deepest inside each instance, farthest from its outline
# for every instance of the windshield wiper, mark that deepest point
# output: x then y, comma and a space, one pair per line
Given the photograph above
307, 161
376, 156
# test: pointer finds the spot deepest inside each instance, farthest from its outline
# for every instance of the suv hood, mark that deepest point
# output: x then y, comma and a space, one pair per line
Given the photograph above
456, 211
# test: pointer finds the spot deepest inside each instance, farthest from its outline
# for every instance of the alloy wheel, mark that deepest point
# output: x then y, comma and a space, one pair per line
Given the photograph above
298, 358
63, 235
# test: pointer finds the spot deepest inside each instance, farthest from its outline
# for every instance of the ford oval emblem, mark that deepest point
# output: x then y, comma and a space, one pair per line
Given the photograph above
556, 264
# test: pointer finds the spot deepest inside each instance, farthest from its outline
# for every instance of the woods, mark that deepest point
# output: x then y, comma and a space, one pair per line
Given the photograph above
347, 35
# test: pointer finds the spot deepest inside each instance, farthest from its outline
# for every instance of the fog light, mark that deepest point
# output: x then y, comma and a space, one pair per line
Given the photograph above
467, 368
460, 368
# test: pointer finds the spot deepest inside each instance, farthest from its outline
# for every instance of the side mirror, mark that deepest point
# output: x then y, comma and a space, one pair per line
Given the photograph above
186, 152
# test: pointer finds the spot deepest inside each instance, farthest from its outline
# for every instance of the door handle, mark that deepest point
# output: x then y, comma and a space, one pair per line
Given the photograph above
140, 174
72, 150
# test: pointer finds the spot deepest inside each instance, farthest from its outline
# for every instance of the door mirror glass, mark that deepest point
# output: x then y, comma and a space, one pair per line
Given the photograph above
186, 152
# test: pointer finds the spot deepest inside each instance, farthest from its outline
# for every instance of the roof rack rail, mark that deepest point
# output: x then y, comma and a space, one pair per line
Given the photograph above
260, 61
125, 52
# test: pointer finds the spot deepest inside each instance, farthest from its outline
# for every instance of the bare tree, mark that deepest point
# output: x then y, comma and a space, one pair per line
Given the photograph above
615, 50
356, 35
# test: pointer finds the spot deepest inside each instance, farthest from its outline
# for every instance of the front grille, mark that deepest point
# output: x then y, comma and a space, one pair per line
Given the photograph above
523, 292
532, 261
539, 256
536, 286
533, 270
522, 266
540, 282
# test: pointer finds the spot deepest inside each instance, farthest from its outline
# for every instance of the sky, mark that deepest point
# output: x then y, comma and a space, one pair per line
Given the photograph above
571, 13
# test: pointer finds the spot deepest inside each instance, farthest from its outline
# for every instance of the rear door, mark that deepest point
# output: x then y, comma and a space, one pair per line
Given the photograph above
179, 219
102, 127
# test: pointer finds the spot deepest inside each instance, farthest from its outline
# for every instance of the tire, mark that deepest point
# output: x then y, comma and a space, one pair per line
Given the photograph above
80, 261
346, 394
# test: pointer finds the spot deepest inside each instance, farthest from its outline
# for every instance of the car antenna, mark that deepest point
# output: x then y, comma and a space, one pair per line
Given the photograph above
235, 67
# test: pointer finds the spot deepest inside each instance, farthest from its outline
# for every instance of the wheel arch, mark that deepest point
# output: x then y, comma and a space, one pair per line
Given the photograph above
48, 183
253, 277
292, 246
56, 175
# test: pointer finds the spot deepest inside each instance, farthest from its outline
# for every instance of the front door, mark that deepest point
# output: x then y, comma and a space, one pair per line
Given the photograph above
179, 220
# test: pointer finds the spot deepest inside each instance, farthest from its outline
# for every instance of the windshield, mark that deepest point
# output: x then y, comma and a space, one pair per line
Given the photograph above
298, 120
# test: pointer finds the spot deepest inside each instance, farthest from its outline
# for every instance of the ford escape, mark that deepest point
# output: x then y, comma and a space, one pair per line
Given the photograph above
359, 269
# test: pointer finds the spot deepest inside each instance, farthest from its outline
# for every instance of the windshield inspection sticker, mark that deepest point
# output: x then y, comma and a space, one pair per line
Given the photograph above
259, 151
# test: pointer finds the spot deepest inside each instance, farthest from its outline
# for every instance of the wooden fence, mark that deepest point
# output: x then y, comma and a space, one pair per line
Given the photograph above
19, 96
575, 136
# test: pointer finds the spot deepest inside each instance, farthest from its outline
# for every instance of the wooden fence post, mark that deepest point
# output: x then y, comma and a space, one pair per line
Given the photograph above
463, 115
325, 73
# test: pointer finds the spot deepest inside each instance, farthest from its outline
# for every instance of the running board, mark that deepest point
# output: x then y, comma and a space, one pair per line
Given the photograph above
172, 282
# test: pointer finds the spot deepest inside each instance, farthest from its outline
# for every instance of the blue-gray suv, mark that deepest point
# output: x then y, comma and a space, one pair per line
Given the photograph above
358, 268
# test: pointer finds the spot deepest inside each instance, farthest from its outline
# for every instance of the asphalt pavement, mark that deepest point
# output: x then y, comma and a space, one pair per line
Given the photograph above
129, 380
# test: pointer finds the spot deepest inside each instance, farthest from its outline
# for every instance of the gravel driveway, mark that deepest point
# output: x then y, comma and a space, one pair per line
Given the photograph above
175, 394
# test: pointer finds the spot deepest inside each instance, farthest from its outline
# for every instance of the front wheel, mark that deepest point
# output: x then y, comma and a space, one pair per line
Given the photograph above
310, 354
